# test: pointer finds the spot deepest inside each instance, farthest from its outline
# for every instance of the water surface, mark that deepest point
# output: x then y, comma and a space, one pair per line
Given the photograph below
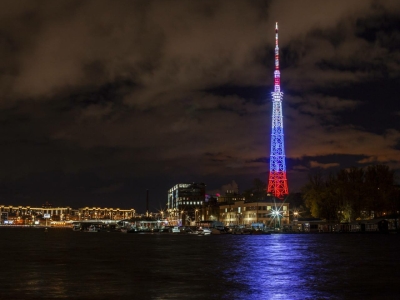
62, 264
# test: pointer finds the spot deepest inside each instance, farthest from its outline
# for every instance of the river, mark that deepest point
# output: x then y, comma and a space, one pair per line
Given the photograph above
62, 264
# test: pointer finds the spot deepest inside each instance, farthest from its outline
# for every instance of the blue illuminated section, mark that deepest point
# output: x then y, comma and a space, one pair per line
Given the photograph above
277, 157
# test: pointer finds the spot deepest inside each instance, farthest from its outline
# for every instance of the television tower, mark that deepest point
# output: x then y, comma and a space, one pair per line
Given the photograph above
277, 183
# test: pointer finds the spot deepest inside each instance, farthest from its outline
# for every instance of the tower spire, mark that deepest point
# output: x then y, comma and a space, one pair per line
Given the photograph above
277, 73
277, 183
276, 47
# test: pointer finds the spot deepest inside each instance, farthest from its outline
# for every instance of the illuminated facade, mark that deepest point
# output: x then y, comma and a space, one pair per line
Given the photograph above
244, 213
26, 215
91, 213
184, 195
184, 202
277, 183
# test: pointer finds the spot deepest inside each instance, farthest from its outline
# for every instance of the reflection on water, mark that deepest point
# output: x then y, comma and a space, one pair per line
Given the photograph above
78, 265
280, 267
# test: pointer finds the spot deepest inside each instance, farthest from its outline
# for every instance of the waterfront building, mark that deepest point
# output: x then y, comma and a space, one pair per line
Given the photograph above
230, 197
277, 184
210, 209
246, 213
27, 215
183, 201
98, 213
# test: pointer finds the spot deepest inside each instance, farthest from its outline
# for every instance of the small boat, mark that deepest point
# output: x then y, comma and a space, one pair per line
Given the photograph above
76, 227
92, 228
130, 230
203, 231
175, 229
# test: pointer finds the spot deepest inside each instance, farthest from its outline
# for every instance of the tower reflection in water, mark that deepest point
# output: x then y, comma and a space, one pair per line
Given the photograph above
271, 267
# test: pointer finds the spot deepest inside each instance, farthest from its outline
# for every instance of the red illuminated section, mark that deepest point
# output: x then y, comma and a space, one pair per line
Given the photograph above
277, 184
277, 81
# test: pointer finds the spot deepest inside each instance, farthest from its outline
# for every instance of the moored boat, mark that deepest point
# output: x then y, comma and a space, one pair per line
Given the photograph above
92, 228
175, 229
76, 227
203, 231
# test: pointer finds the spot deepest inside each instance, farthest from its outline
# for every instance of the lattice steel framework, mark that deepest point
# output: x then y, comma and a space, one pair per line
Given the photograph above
277, 183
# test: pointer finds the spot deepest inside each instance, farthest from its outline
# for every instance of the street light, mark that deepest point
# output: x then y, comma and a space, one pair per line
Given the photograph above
276, 214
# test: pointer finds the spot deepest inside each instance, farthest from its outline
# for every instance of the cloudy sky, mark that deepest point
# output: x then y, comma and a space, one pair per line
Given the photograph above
101, 100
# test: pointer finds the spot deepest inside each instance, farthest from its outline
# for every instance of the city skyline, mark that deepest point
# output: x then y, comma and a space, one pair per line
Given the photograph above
103, 100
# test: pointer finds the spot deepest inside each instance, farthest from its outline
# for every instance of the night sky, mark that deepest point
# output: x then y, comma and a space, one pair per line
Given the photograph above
102, 100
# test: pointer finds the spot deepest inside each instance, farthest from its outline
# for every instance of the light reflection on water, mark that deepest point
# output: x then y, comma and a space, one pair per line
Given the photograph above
76, 265
280, 268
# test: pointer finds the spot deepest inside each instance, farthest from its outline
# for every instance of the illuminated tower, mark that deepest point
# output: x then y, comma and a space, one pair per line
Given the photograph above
277, 183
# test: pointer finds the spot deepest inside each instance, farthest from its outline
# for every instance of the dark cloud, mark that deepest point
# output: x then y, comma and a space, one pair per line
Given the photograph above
101, 100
